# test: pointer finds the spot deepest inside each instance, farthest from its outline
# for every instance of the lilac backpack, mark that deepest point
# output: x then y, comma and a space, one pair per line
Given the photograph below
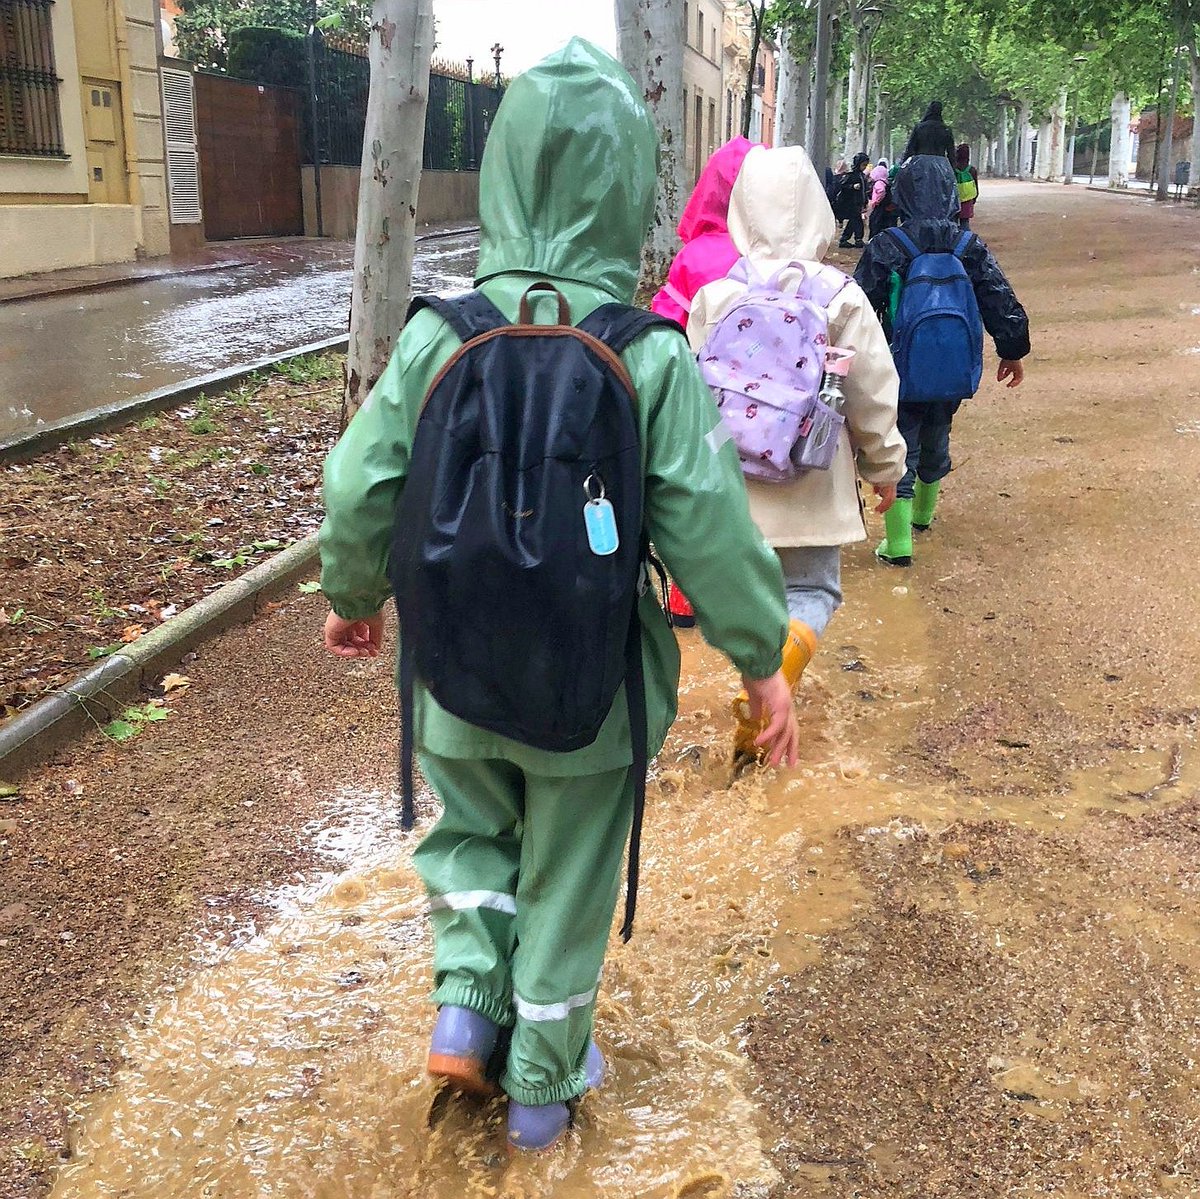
765, 360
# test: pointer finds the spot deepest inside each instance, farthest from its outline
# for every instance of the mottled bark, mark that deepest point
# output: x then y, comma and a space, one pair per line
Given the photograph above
401, 45
651, 37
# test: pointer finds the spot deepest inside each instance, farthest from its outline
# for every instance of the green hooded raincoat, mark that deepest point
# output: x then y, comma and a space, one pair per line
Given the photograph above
567, 192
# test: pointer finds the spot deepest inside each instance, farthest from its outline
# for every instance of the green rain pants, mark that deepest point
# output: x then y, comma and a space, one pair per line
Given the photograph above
523, 872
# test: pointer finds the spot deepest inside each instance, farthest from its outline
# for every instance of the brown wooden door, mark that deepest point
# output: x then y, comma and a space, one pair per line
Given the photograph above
249, 138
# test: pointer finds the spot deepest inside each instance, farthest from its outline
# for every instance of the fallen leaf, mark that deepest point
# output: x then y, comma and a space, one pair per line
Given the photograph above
120, 730
9, 790
131, 632
309, 588
176, 682
167, 612
103, 651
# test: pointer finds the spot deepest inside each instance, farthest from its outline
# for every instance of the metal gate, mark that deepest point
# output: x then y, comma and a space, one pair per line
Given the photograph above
249, 135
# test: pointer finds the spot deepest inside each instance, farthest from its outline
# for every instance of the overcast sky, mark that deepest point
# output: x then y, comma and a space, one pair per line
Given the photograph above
527, 29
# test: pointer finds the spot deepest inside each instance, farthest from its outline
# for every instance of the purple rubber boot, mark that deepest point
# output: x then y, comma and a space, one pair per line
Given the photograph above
536, 1128
462, 1044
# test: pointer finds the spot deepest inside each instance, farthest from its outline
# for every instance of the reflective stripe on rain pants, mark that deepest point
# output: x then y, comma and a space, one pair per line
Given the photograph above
523, 872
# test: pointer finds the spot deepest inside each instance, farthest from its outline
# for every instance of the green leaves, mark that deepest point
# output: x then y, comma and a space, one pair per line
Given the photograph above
104, 651
310, 588
131, 722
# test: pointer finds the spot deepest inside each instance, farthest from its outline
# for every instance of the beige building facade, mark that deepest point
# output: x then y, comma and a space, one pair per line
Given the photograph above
703, 83
82, 158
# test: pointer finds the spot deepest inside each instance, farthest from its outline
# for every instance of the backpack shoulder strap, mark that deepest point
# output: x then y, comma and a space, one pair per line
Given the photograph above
964, 240
909, 246
469, 316
619, 325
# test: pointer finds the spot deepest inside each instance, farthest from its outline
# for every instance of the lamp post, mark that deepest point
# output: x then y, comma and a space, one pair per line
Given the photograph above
868, 21
1069, 160
818, 127
877, 131
497, 50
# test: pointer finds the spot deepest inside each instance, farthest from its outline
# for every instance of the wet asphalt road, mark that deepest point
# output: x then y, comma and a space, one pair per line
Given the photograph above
65, 354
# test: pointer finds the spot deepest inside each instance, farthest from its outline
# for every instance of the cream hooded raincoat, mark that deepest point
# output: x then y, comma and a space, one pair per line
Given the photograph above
779, 214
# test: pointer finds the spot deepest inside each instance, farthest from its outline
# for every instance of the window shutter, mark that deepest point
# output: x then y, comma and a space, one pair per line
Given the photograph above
183, 160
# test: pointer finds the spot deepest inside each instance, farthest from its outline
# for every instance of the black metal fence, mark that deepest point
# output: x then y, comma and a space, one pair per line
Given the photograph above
30, 121
457, 121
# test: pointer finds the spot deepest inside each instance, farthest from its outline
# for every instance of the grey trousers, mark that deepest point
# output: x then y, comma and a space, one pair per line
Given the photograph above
812, 576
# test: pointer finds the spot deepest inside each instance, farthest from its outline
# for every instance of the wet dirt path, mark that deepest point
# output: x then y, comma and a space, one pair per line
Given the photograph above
949, 956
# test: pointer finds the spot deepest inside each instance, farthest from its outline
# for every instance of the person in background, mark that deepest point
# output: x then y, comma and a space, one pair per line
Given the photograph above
879, 198
968, 185
930, 135
851, 201
523, 867
927, 194
707, 251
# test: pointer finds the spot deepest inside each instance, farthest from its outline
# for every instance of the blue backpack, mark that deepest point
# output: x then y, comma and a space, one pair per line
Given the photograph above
937, 332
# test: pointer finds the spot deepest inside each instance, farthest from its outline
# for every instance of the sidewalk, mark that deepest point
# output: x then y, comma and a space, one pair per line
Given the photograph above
215, 256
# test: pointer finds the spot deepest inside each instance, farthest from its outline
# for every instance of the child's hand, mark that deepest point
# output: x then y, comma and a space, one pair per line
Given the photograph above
773, 698
1012, 370
354, 638
887, 496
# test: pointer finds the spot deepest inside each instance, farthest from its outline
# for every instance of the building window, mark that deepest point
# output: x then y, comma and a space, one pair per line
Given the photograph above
700, 30
713, 42
685, 121
687, 29
29, 114
698, 137
728, 115
712, 126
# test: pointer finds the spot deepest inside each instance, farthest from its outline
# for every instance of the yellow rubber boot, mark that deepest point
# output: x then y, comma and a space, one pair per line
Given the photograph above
798, 652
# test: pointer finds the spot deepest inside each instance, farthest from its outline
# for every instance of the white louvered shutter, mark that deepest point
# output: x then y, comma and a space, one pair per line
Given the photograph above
183, 160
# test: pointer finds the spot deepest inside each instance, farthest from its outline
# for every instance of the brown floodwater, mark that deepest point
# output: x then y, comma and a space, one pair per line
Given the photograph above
291, 1063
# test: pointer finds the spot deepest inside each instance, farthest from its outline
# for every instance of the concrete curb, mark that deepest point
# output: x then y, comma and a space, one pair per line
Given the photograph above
46, 437
83, 285
101, 691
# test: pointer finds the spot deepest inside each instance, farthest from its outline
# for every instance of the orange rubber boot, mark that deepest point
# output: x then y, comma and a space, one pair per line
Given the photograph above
798, 652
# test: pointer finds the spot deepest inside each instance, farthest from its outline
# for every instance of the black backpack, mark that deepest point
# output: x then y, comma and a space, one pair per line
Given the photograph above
519, 551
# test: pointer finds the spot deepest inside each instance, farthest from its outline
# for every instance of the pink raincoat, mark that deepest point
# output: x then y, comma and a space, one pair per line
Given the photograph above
707, 252
879, 181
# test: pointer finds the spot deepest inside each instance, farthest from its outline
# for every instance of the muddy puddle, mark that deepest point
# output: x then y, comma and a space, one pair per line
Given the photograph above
289, 1062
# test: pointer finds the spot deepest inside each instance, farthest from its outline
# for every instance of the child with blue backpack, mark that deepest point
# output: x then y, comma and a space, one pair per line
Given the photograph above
937, 288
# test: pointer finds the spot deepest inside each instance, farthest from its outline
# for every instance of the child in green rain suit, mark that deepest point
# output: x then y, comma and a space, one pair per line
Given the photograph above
523, 867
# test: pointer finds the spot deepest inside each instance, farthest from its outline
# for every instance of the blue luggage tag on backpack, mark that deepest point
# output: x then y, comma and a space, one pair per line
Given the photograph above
599, 519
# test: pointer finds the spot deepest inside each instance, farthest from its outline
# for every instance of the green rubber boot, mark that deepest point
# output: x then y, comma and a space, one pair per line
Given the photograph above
924, 502
896, 548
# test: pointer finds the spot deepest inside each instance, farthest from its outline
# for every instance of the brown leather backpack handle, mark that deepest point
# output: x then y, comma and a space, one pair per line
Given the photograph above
564, 309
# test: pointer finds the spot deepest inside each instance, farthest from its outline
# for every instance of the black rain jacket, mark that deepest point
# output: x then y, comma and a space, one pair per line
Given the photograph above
926, 192
930, 135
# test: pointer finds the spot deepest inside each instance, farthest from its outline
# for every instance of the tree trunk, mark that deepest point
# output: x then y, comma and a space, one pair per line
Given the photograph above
1194, 155
1069, 157
834, 100
1166, 160
1118, 147
1002, 144
795, 91
855, 134
651, 36
1058, 137
1024, 131
1041, 158
394, 138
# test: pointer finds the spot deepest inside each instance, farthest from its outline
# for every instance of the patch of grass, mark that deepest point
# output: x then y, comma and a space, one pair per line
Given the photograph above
100, 607
310, 368
150, 423
203, 422
110, 462
160, 486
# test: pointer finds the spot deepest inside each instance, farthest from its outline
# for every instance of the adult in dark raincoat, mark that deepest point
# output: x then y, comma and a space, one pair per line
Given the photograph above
930, 135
